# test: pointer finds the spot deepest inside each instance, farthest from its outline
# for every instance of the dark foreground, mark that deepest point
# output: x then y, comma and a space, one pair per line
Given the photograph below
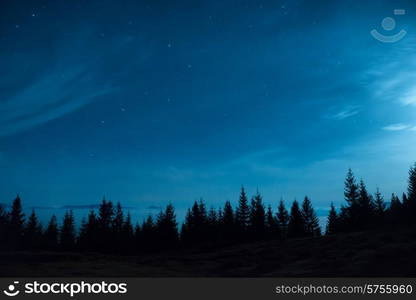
383, 253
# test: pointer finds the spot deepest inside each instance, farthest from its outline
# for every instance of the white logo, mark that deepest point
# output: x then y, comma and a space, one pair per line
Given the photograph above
389, 24
11, 290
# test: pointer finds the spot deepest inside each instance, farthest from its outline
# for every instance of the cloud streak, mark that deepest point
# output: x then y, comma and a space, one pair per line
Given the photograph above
397, 127
344, 113
39, 103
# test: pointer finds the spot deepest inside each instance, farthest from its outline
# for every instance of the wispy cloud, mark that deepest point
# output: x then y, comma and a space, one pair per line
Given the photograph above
409, 98
39, 103
343, 113
397, 127
395, 81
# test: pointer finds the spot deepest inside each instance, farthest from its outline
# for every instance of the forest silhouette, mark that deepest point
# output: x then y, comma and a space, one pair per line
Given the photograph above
111, 230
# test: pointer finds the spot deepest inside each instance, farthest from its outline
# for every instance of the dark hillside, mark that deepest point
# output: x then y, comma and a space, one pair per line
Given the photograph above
372, 253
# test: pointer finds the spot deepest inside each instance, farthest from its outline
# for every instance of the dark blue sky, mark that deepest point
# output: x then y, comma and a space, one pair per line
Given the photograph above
148, 102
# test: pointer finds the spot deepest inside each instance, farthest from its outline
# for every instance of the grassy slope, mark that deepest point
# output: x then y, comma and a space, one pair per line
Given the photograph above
355, 254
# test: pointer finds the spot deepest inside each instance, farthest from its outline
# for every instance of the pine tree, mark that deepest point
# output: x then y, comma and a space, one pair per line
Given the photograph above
202, 212
147, 240
202, 229
67, 234
127, 234
395, 211
16, 224
117, 227
212, 220
296, 226
118, 220
105, 215
379, 207
104, 225
257, 218
195, 228
344, 219
33, 232
365, 208
227, 223
137, 237
167, 228
282, 219
310, 219
332, 225
272, 225
405, 201
4, 224
411, 194
351, 189
188, 228
242, 214
51, 234
350, 213
89, 233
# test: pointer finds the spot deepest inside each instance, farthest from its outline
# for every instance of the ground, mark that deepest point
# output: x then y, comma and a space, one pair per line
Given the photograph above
376, 253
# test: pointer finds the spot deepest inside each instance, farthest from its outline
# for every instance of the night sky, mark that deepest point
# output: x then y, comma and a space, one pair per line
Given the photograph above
150, 102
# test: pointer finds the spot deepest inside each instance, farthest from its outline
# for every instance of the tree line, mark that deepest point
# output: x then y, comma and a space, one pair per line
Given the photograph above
110, 229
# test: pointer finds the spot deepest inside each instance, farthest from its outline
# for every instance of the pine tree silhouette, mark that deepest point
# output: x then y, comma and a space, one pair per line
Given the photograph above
365, 208
332, 225
127, 234
51, 234
410, 202
282, 219
296, 226
405, 201
195, 228
16, 224
203, 229
213, 226
257, 218
137, 238
67, 234
118, 220
379, 207
4, 223
111, 230
188, 228
350, 212
167, 228
272, 225
33, 233
89, 233
104, 222
310, 219
396, 211
242, 215
147, 238
227, 223
116, 229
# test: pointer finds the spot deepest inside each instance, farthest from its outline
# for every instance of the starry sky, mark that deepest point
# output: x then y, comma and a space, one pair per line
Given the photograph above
150, 102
